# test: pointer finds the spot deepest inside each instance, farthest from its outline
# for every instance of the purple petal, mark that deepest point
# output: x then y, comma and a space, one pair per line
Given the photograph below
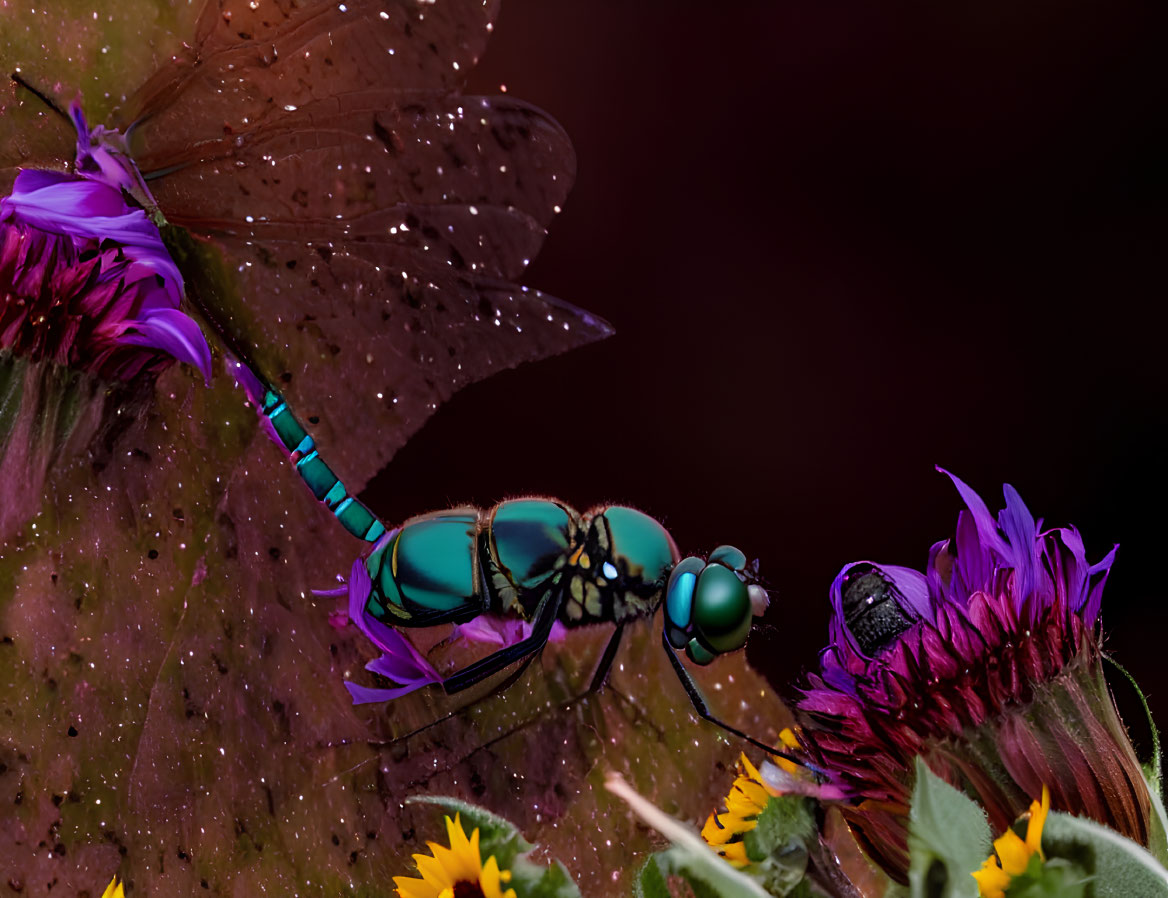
789, 784
487, 629
987, 527
364, 695
1022, 535
1097, 577
360, 586
386, 638
404, 669
176, 334
91, 210
79, 123
491, 629
913, 586
1066, 564
253, 387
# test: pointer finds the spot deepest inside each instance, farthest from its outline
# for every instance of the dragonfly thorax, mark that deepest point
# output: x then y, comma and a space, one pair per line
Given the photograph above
609, 564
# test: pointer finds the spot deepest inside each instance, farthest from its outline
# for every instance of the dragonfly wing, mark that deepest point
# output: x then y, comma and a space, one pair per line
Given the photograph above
32, 136
374, 248
473, 181
367, 351
250, 61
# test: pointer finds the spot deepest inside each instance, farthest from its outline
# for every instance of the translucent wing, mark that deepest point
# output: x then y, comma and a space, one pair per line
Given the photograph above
249, 61
372, 221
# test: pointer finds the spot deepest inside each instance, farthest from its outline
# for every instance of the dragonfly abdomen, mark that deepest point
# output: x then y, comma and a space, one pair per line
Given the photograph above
352, 513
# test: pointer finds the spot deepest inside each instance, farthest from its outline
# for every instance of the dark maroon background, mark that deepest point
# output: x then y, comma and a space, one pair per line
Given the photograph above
841, 246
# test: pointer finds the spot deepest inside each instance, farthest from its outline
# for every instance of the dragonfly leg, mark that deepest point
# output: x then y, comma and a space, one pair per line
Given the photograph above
699, 702
546, 613
604, 665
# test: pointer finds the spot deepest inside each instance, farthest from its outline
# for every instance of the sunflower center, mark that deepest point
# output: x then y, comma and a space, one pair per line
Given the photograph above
464, 889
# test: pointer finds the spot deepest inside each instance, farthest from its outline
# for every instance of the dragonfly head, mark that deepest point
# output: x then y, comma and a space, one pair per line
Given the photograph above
711, 602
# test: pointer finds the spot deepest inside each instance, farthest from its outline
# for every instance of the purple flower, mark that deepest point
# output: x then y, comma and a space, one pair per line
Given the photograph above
988, 666
86, 282
104, 156
399, 661
491, 629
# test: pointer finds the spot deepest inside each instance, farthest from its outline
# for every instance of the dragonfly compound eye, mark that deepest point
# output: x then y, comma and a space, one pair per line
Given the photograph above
709, 606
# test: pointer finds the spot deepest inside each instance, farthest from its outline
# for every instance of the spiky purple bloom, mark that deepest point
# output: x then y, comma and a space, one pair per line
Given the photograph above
988, 666
85, 280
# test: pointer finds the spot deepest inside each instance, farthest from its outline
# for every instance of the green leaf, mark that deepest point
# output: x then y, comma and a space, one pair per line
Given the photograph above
948, 839
532, 881
1058, 878
787, 820
784, 872
650, 883
707, 873
1158, 823
1118, 866
497, 836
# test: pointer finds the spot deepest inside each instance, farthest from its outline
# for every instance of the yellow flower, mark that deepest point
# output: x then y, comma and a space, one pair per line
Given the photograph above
1013, 853
114, 889
459, 865
791, 741
747, 799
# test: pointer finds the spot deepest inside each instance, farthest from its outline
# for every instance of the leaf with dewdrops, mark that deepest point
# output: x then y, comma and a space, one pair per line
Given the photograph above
173, 698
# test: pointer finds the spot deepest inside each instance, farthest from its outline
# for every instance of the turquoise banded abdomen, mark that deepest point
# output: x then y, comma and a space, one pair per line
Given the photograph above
353, 514
452, 565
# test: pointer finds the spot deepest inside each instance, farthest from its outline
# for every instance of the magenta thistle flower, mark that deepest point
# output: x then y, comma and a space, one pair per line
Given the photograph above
988, 666
85, 280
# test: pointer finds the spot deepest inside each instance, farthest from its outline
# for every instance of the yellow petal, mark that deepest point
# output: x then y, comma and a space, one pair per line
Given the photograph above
715, 834
489, 878
1038, 812
114, 889
436, 874
755, 793
1013, 852
408, 887
991, 879
788, 738
735, 853
751, 770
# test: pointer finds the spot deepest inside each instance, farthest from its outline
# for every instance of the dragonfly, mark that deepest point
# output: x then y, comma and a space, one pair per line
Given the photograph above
536, 558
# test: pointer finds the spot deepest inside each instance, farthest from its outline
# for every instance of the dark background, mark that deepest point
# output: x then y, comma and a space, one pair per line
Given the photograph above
841, 246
